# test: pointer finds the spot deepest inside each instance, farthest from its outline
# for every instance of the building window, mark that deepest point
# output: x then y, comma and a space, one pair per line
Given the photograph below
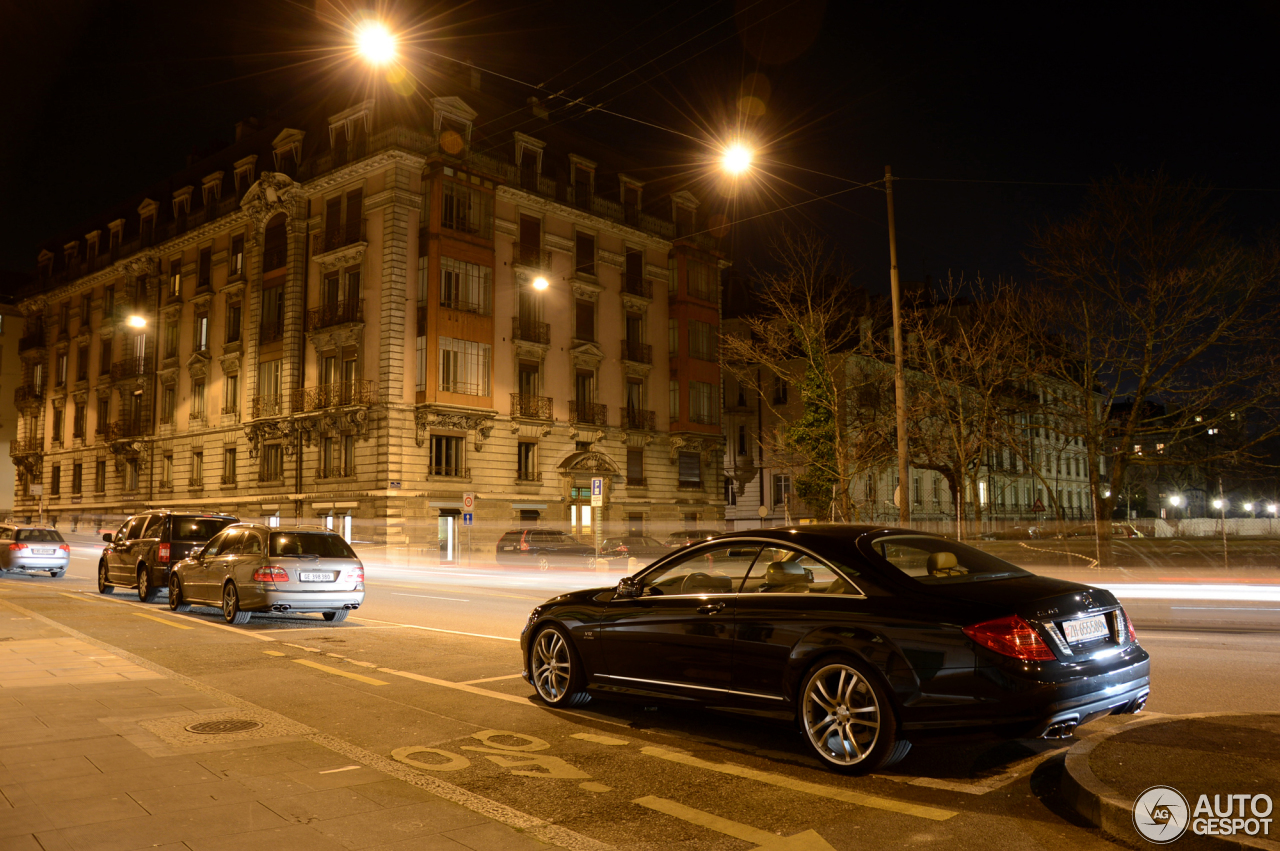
742, 440
172, 332
779, 390
673, 400
166, 472
201, 342
635, 467
78, 423
231, 393
582, 186
704, 403
527, 462
167, 398
229, 466
104, 415
690, 470
424, 279
272, 467
465, 286
275, 246
233, 322
197, 469
585, 320
701, 281
86, 307
633, 271
421, 368
585, 255
175, 277
235, 259
57, 426
702, 338
55, 480
131, 474
466, 209
730, 495
673, 337
446, 456
60, 370
464, 367
82, 363
197, 399
204, 269
104, 357
781, 488
100, 477
915, 490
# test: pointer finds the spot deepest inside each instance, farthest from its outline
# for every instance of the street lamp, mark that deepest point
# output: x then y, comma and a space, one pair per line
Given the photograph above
1175, 500
136, 321
375, 43
540, 283
736, 158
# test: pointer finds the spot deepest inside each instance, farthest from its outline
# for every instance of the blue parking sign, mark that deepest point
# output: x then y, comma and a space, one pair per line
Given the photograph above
597, 486
466, 519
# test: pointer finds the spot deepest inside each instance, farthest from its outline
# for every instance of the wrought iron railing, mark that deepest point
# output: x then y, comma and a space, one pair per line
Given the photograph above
34, 339
588, 413
337, 472
635, 418
126, 427
26, 394
530, 330
637, 285
335, 313
270, 405
269, 332
326, 241
132, 367
449, 472
359, 392
534, 407
637, 352
530, 255
26, 447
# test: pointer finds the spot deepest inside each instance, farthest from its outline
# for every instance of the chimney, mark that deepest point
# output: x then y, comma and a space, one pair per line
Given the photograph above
244, 128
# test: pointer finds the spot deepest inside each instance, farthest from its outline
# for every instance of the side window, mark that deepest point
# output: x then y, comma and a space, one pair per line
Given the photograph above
224, 543
780, 570
250, 545
718, 570
154, 524
136, 526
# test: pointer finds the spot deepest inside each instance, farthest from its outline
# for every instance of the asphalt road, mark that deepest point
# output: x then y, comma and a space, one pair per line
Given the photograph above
428, 670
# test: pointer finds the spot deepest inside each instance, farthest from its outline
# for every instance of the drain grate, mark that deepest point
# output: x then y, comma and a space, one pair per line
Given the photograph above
224, 725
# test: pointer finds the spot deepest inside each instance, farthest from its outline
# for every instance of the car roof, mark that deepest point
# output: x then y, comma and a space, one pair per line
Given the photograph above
193, 512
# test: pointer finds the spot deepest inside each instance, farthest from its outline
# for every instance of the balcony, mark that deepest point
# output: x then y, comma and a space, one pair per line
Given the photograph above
270, 405
634, 418
126, 427
637, 352
30, 446
27, 394
33, 339
326, 241
359, 392
588, 413
637, 285
531, 256
530, 331
133, 367
274, 257
335, 313
270, 332
448, 472
335, 472
533, 407
528, 476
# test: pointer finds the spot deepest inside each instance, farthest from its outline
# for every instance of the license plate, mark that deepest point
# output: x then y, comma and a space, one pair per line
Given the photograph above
37, 552
1085, 629
315, 577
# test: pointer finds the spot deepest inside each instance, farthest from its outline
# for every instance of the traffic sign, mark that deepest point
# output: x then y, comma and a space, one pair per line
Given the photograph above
1039, 506
466, 518
597, 492
468, 502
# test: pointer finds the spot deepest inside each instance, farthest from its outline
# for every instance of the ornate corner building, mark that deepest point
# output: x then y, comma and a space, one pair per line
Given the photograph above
358, 322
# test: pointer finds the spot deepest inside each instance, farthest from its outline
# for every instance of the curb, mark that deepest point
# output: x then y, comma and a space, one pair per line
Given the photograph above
1106, 809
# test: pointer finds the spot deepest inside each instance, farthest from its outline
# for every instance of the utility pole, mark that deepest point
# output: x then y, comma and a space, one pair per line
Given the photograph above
899, 380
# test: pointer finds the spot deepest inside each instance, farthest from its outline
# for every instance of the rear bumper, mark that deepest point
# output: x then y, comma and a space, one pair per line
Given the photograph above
301, 601
37, 564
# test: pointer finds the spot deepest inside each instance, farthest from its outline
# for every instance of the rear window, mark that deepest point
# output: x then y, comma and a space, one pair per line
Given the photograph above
553, 538
198, 528
309, 543
38, 535
938, 561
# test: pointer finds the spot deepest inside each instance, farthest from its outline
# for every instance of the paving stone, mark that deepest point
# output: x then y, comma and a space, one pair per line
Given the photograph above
385, 826
148, 831
392, 793
190, 796
78, 811
296, 837
19, 820
11, 757
496, 837
71, 766
432, 842
27, 842
247, 764
320, 805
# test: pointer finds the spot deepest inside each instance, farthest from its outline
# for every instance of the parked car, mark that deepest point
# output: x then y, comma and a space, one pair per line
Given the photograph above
868, 638
689, 536
250, 568
641, 547
143, 550
543, 547
1088, 530
34, 549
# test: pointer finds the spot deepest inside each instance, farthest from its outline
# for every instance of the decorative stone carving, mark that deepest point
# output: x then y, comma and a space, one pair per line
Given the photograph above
586, 434
337, 336
677, 443
339, 258
261, 430
430, 417
586, 356
334, 422
198, 364
584, 289
272, 193
588, 461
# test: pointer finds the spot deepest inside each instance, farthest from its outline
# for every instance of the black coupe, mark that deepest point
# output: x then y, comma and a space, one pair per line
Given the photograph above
869, 637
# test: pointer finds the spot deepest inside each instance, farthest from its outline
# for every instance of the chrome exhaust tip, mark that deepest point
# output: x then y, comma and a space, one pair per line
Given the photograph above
1061, 730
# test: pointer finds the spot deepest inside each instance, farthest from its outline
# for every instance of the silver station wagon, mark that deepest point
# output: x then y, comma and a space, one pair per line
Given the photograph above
249, 568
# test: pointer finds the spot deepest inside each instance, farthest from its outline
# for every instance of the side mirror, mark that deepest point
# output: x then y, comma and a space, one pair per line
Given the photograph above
106, 536
629, 586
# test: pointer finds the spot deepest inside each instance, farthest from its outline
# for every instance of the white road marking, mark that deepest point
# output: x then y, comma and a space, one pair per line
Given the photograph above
344, 768
493, 679
328, 670
785, 782
510, 698
184, 617
435, 629
809, 840
1227, 608
430, 597
600, 740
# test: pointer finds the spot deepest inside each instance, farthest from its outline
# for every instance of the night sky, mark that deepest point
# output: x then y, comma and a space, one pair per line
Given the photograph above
977, 107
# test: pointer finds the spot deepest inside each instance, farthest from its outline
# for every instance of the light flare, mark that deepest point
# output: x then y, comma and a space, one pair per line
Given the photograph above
375, 43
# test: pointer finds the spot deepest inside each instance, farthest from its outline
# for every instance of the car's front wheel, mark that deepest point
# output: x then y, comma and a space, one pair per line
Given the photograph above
847, 718
231, 612
177, 602
146, 591
104, 586
557, 671
543, 562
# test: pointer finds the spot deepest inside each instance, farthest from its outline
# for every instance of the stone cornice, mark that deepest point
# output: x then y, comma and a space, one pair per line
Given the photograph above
389, 197
564, 211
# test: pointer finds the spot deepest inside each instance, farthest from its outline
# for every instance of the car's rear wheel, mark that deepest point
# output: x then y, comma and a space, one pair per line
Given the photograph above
848, 719
543, 562
56, 573
557, 670
146, 591
104, 586
177, 602
335, 617
231, 612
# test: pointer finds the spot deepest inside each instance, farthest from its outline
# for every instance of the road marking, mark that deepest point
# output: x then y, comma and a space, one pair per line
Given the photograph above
492, 679
978, 787
273, 653
328, 670
434, 629
600, 740
162, 620
1227, 608
301, 647
344, 768
785, 782
510, 698
809, 840
430, 597
81, 597
188, 618
470, 589
592, 786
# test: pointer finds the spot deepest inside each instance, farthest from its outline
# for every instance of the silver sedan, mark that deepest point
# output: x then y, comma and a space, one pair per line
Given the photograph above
249, 568
33, 549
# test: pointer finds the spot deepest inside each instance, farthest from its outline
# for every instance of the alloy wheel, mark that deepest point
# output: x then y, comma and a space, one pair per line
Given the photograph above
552, 665
543, 562
841, 714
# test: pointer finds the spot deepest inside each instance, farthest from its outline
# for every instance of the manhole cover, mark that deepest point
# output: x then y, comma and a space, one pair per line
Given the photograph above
225, 725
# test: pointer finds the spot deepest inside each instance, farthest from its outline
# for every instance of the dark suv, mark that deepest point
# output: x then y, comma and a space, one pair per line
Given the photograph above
543, 547
145, 547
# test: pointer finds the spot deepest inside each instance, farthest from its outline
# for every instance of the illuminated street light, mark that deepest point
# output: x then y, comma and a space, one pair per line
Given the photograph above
375, 43
1248, 506
1175, 500
1218, 503
540, 283
1271, 508
736, 159
136, 321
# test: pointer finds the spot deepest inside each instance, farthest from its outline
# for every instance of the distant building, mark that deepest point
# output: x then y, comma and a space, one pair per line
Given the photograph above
10, 379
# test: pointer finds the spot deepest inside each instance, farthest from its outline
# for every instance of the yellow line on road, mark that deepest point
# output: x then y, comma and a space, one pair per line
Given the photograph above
82, 598
162, 620
273, 652
359, 677
782, 781
745, 832
510, 698
434, 629
600, 740
492, 679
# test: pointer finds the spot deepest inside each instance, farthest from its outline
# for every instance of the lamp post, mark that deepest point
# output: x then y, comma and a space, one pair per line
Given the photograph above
1221, 504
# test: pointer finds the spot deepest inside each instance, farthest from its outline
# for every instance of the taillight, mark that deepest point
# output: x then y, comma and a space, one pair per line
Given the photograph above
66, 548
1011, 636
622, 548
357, 574
270, 573
13, 547
1128, 625
163, 554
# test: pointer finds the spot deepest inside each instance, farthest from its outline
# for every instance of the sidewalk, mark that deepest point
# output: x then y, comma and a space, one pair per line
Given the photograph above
1215, 754
100, 752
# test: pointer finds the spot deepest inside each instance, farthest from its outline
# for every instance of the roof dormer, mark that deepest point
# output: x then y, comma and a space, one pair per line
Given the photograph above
528, 158
684, 208
347, 124
182, 201
244, 173
211, 186
71, 252
44, 263
287, 147
451, 122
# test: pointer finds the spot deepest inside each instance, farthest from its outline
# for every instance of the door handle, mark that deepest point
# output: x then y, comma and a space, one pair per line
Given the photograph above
711, 609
